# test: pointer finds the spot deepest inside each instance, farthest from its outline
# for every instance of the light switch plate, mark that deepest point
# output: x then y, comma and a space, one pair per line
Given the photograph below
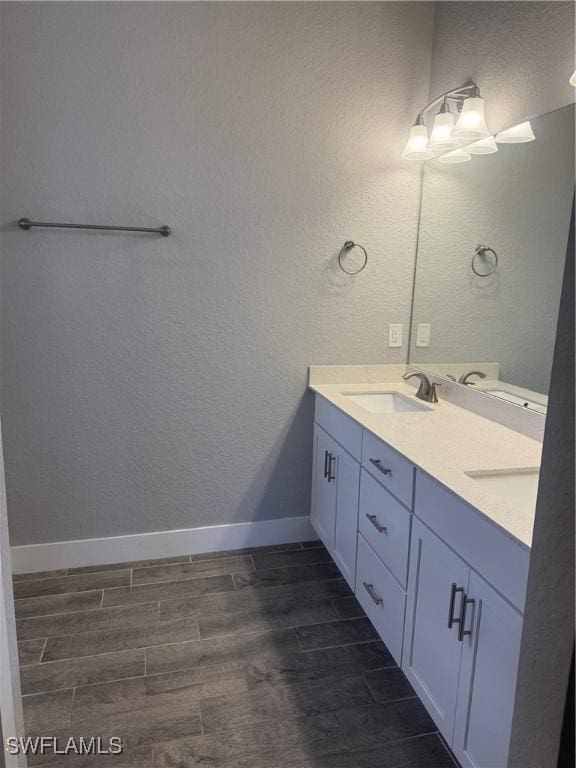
423, 335
395, 335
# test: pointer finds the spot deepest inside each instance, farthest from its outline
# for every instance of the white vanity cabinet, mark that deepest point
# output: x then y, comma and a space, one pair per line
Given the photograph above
462, 638
335, 488
443, 586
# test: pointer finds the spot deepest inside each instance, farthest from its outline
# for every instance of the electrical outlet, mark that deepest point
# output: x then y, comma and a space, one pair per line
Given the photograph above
423, 335
395, 335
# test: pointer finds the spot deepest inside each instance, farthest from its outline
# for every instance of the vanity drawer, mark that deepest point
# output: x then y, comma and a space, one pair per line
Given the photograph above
382, 598
342, 428
385, 524
388, 467
496, 556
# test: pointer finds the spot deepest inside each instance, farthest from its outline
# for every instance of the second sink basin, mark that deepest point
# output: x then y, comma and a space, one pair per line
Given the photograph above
517, 486
384, 402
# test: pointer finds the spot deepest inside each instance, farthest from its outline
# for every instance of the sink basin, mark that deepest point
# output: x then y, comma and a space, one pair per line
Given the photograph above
517, 486
384, 402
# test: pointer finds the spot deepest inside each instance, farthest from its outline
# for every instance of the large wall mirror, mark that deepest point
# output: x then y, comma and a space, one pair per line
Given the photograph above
491, 254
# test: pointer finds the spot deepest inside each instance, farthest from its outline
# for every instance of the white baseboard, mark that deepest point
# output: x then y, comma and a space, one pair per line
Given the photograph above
30, 558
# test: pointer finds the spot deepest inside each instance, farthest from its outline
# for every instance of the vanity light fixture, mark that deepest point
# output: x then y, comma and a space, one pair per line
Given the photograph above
518, 134
455, 156
482, 147
464, 101
417, 145
442, 137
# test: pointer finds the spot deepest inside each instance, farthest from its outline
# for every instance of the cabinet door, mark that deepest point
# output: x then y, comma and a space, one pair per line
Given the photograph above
324, 504
432, 651
346, 530
487, 678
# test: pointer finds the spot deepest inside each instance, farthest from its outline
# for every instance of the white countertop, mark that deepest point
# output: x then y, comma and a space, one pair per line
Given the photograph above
446, 442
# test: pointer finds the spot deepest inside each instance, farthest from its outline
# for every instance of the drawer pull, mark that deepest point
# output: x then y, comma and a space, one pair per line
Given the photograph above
370, 589
326, 454
465, 603
451, 620
378, 464
374, 520
331, 459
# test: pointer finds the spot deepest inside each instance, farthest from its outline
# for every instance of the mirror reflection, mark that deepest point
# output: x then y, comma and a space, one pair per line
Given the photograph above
491, 253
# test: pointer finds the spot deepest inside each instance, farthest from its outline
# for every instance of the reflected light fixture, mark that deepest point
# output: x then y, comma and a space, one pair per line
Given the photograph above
417, 145
482, 147
518, 134
464, 101
456, 156
573, 80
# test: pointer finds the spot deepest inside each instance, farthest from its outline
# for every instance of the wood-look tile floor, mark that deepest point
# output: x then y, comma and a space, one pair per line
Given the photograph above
249, 659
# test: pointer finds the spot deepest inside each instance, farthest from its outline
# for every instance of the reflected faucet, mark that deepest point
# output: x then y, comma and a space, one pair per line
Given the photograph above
426, 390
464, 378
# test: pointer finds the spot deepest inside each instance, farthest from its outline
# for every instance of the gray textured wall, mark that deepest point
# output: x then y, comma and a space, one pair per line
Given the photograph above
517, 201
520, 53
155, 384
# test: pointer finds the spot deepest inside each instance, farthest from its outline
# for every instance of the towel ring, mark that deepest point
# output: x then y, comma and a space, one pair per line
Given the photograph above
482, 250
346, 248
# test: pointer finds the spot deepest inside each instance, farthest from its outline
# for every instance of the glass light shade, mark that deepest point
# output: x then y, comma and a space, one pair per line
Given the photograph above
483, 147
441, 138
417, 145
472, 122
456, 156
518, 134
573, 80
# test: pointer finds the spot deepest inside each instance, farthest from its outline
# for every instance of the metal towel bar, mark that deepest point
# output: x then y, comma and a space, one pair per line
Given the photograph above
26, 224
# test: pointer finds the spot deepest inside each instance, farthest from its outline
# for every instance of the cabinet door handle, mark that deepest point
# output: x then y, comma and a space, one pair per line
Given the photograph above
378, 464
370, 589
326, 454
466, 601
451, 620
374, 520
330, 475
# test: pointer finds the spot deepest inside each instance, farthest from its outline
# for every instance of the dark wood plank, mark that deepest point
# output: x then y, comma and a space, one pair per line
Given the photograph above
44, 606
348, 608
264, 618
30, 651
219, 651
46, 712
344, 632
55, 675
136, 757
129, 564
288, 559
345, 730
105, 641
61, 585
389, 684
161, 573
88, 621
249, 599
268, 702
300, 666
245, 551
291, 575
39, 575
169, 590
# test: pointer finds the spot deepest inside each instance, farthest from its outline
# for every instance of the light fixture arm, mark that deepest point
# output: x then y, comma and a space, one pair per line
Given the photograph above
469, 90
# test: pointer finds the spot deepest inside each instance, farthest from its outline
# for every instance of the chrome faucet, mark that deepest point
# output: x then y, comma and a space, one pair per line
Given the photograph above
426, 390
465, 376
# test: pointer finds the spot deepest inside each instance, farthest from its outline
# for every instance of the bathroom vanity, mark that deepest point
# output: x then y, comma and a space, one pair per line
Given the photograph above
427, 509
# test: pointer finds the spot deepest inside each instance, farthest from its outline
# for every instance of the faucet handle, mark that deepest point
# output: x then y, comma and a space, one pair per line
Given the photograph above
432, 394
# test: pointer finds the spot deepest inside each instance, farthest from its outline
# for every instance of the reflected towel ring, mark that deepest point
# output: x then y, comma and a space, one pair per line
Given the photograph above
346, 248
482, 251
